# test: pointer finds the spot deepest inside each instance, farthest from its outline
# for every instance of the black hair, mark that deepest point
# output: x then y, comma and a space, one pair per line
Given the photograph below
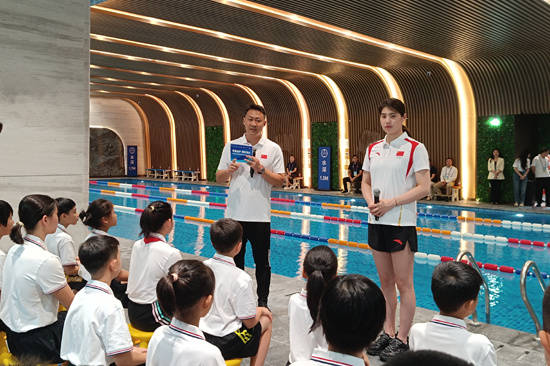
523, 159
97, 251
31, 210
426, 358
352, 312
320, 266
225, 234
454, 283
545, 149
64, 205
499, 153
187, 282
5, 212
398, 106
255, 107
154, 216
449, 158
97, 210
546, 310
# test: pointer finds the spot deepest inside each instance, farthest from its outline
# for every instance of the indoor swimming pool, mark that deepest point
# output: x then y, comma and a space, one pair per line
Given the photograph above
306, 221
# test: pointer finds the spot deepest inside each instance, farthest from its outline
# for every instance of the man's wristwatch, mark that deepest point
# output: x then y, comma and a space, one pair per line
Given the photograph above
262, 170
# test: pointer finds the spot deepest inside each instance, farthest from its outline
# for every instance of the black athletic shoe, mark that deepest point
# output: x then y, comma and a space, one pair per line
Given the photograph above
376, 347
395, 347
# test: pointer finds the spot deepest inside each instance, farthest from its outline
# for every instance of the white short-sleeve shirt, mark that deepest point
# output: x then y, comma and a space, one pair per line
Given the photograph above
517, 165
392, 169
234, 298
328, 358
150, 260
249, 198
95, 329
31, 275
181, 344
2, 260
302, 341
541, 167
62, 245
450, 335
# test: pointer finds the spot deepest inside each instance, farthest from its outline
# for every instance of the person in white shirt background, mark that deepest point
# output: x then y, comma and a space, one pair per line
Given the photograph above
61, 242
447, 179
521, 168
398, 168
34, 284
6, 224
320, 266
352, 312
186, 295
539, 166
249, 196
150, 260
455, 289
495, 166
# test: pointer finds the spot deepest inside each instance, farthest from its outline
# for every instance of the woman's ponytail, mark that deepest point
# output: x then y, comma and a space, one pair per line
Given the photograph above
315, 287
166, 295
31, 210
15, 234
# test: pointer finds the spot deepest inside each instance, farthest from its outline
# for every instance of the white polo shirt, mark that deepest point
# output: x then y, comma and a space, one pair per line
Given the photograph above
234, 298
30, 275
450, 335
249, 198
181, 344
517, 165
150, 260
329, 358
541, 167
302, 341
2, 260
392, 167
96, 232
95, 328
61, 244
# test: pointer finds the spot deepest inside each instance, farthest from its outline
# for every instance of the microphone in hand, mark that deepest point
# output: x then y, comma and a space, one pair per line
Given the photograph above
376, 193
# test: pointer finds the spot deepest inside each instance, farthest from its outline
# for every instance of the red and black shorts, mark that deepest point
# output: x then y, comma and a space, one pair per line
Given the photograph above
390, 238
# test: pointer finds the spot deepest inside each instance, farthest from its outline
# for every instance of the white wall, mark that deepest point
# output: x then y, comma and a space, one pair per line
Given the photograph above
121, 117
44, 93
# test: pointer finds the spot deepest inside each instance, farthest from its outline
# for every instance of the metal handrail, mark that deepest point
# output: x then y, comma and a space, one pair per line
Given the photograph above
473, 262
523, 289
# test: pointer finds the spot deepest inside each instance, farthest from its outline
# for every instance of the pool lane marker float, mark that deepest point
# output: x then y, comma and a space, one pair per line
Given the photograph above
419, 257
446, 234
517, 225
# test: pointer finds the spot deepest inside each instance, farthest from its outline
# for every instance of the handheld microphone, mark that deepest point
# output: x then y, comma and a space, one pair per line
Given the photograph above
376, 193
252, 170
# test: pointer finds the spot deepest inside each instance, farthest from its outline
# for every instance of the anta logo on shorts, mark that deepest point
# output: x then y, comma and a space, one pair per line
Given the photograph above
398, 241
245, 336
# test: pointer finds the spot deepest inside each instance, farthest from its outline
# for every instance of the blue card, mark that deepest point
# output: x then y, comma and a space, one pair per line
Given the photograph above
239, 152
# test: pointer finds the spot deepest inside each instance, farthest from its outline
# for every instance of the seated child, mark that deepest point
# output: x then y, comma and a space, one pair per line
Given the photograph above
95, 331
455, 288
234, 324
320, 266
544, 333
151, 258
186, 295
34, 284
426, 358
61, 242
352, 312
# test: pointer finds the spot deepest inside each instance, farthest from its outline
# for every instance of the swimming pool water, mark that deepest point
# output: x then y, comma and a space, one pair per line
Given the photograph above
287, 254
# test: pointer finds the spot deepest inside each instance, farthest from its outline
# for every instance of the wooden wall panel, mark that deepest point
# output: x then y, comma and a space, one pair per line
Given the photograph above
210, 111
187, 131
319, 101
236, 101
363, 92
432, 109
515, 84
283, 118
159, 132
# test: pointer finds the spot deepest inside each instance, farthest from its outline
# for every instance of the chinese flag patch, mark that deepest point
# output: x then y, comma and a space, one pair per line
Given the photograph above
264, 156
400, 153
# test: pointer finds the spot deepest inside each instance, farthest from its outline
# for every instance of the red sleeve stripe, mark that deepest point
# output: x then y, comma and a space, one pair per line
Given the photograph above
413, 147
372, 145
118, 352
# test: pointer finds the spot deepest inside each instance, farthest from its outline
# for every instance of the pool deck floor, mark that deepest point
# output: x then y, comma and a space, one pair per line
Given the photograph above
513, 347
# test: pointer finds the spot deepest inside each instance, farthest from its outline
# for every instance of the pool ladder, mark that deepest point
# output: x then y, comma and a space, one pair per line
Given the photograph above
473, 262
523, 289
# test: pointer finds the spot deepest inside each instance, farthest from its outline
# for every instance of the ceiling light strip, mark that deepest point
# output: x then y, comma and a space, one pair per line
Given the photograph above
202, 137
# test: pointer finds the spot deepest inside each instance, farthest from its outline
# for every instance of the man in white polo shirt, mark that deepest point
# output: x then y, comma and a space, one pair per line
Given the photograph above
447, 179
542, 176
249, 198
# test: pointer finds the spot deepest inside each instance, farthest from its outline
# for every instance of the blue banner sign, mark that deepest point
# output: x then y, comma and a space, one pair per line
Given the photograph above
132, 161
239, 152
323, 181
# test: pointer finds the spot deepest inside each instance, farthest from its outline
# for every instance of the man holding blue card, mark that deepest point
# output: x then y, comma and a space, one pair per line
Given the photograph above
254, 164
